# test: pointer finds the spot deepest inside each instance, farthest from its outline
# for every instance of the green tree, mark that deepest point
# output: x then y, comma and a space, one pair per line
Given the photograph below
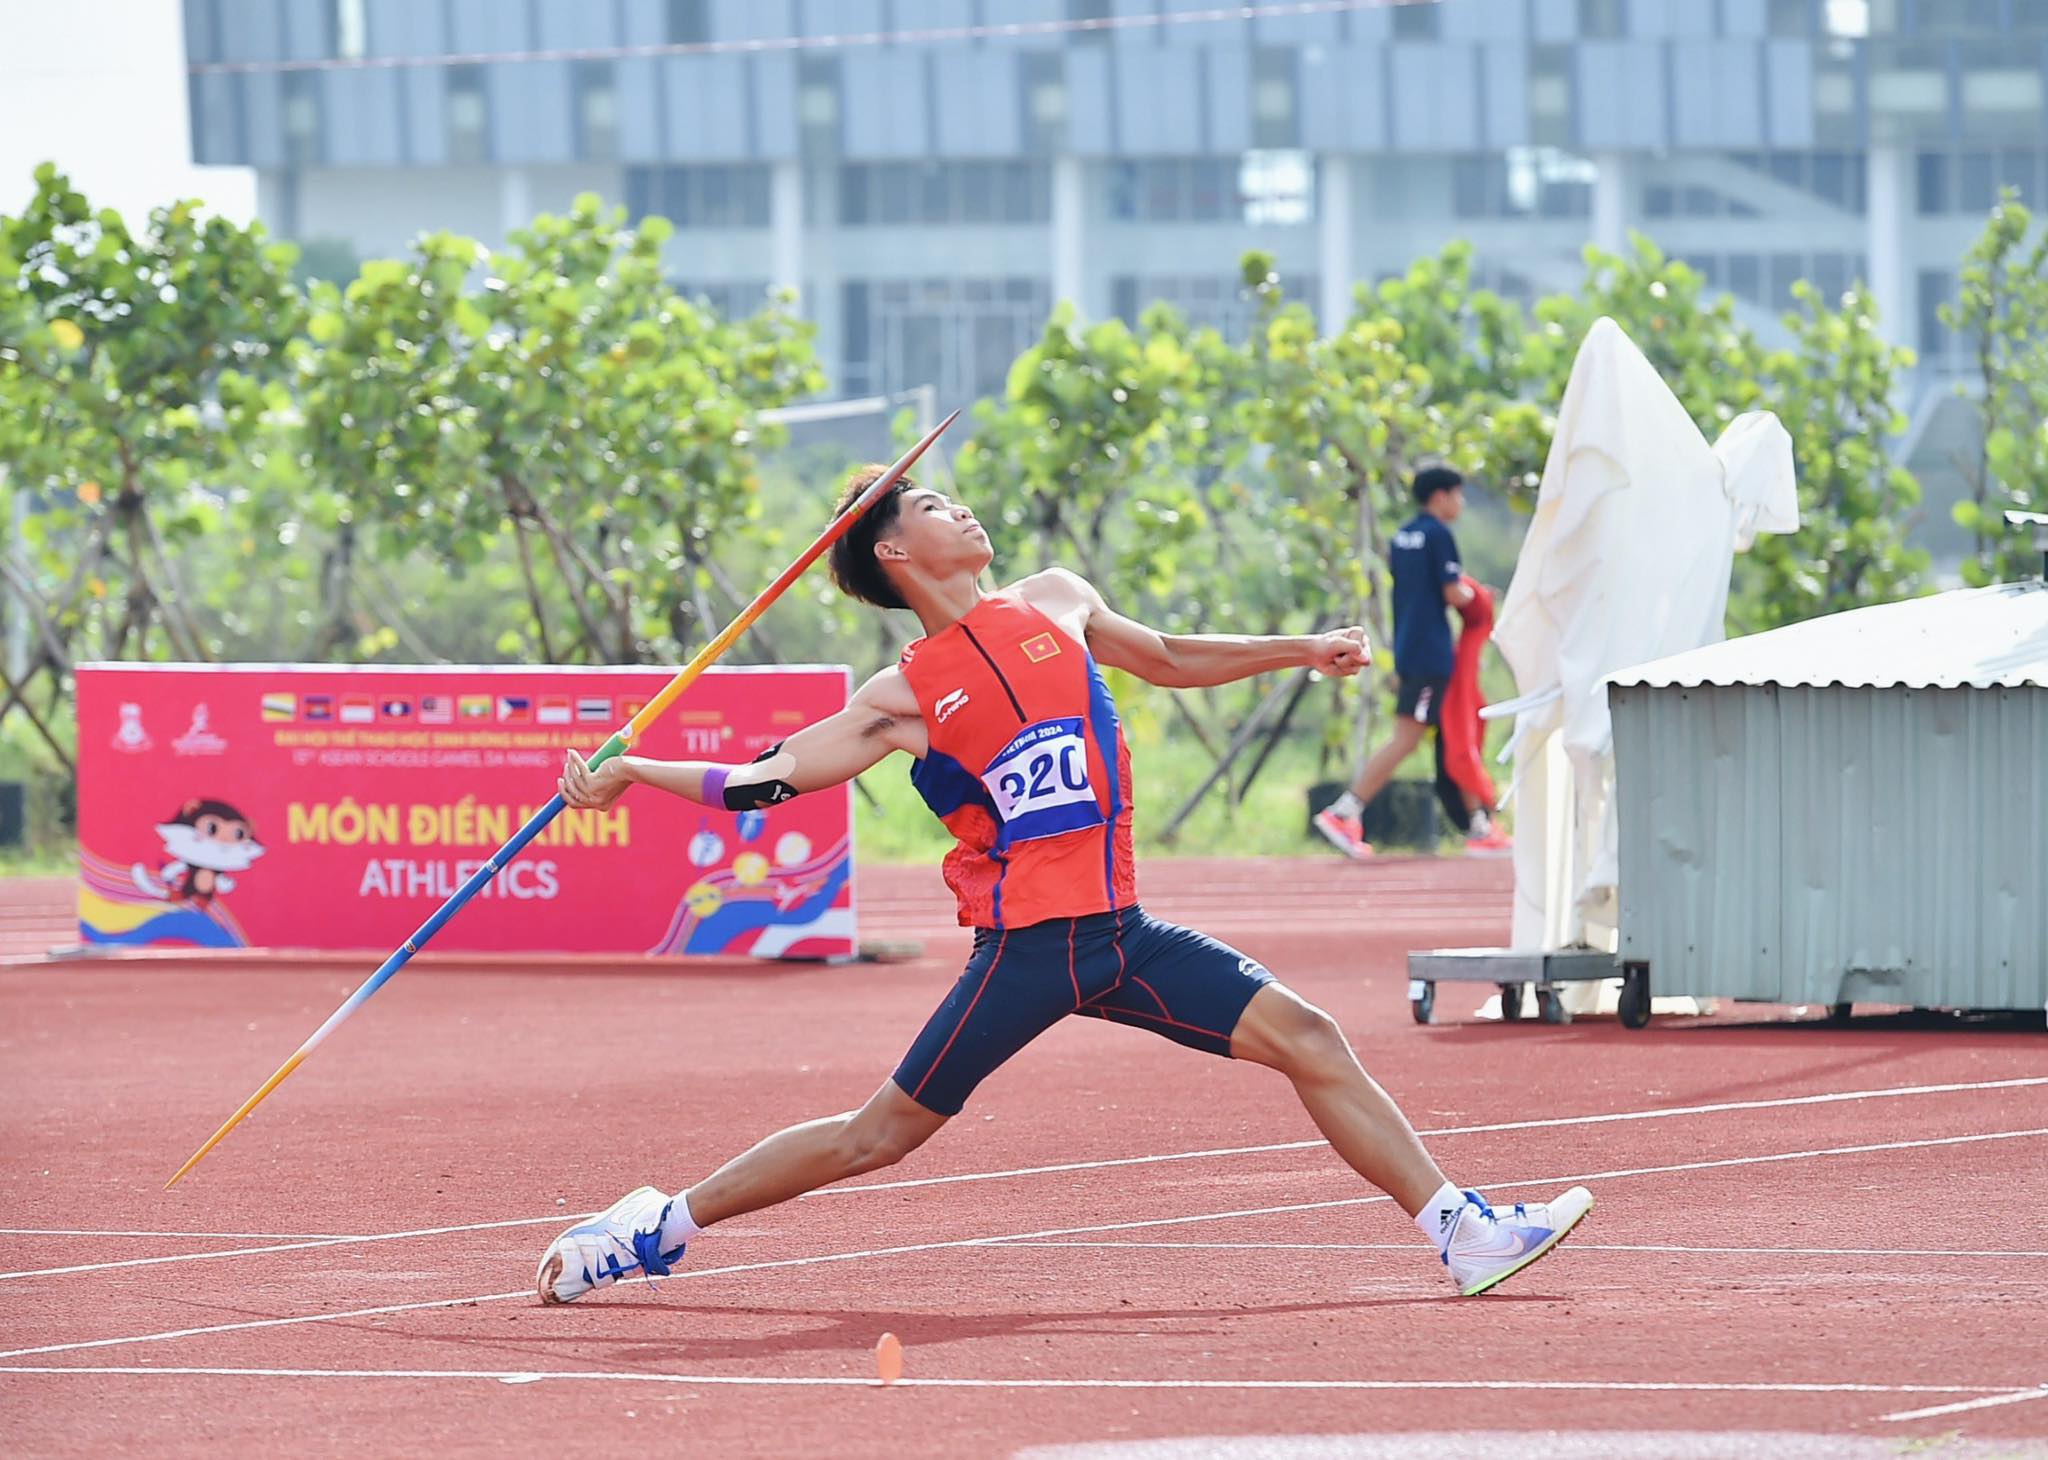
1082, 444
120, 357
1832, 388
125, 361
2002, 309
1705, 354
560, 393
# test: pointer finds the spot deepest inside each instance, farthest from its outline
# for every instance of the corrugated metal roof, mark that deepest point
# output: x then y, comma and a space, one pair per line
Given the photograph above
1975, 638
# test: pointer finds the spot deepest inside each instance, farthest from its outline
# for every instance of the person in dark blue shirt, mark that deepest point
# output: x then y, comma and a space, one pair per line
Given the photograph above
1428, 580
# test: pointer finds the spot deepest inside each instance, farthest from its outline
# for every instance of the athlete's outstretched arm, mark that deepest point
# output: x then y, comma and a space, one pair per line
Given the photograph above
881, 717
1193, 661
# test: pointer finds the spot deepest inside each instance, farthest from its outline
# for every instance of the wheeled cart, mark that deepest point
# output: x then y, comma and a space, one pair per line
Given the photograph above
1511, 969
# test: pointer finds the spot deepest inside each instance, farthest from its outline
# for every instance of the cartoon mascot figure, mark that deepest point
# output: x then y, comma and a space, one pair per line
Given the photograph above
203, 843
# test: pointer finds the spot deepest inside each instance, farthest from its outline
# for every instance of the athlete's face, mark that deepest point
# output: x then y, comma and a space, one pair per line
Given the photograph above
936, 533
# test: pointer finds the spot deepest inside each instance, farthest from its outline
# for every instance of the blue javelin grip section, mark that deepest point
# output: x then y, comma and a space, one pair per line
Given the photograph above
499, 860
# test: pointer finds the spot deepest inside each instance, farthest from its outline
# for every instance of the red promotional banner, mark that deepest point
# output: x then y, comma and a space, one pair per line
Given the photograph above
276, 806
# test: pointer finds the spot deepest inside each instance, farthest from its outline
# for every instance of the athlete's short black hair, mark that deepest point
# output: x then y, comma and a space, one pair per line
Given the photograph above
855, 568
1429, 481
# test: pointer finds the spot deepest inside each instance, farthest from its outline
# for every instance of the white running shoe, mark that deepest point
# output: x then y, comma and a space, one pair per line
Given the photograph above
617, 1243
1485, 1247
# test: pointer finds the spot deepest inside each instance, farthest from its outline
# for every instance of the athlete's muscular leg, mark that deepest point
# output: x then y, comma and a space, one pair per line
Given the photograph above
817, 1153
1281, 1029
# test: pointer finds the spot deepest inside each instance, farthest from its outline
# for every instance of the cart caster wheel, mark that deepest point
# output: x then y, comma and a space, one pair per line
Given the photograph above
1423, 1005
1551, 1008
1511, 1002
1634, 1003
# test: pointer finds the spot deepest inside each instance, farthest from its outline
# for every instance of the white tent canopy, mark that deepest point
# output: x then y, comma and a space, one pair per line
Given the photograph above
1627, 560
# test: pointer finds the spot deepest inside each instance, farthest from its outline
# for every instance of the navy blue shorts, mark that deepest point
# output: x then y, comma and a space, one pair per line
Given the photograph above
1122, 966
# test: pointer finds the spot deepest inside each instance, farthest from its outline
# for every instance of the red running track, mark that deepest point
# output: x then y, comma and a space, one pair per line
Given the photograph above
1777, 1274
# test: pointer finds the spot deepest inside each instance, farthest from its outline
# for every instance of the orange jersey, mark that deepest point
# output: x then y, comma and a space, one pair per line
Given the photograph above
1027, 768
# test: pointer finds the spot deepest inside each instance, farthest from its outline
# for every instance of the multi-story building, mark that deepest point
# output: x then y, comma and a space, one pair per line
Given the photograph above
931, 175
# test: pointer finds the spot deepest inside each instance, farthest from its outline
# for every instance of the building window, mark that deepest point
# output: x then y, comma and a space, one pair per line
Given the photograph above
1836, 177
597, 112
1976, 182
1550, 95
1416, 23
687, 23
1600, 20
1665, 200
960, 335
1972, 180
1277, 187
1847, 20
708, 196
468, 116
1274, 121
1791, 17
897, 193
351, 30
817, 103
1525, 182
1045, 101
1932, 183
1266, 186
302, 119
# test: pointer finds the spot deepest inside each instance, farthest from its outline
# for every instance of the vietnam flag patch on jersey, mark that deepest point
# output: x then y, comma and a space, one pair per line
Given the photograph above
1040, 648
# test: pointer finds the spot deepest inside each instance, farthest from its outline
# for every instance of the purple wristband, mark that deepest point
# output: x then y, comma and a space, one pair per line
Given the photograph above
714, 785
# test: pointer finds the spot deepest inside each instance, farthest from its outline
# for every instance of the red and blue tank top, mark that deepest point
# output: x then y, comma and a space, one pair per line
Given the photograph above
1027, 768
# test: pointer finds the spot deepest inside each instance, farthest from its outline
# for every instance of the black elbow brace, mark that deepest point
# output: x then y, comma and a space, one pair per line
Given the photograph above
752, 795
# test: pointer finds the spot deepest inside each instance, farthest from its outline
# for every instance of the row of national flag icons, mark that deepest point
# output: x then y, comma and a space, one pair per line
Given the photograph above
440, 709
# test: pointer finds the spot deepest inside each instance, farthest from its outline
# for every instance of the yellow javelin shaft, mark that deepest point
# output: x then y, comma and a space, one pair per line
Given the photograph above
616, 744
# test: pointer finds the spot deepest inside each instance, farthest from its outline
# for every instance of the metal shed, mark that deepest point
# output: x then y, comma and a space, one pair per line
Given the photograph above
1853, 809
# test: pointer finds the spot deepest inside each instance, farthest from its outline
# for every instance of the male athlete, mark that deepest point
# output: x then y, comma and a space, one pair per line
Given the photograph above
1019, 751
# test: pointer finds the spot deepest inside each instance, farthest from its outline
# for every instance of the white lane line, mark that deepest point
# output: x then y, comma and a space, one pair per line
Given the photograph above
1000, 1239
209, 1236
567, 1219
1546, 1123
2025, 1396
1996, 1394
1574, 1247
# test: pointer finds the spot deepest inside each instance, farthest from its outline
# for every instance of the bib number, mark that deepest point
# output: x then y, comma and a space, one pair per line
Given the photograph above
1040, 782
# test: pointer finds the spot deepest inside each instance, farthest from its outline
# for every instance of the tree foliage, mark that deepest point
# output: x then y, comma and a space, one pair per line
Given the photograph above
560, 393
123, 360
2002, 309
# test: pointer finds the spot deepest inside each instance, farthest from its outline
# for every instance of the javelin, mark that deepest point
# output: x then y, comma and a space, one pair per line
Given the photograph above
620, 739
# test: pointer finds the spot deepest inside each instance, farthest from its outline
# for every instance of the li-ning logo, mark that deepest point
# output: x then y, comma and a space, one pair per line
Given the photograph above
948, 703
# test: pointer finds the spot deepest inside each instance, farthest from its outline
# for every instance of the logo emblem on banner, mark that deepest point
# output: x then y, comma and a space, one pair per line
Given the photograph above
436, 709
198, 739
515, 709
280, 707
358, 710
318, 707
131, 737
593, 708
554, 709
395, 707
476, 707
